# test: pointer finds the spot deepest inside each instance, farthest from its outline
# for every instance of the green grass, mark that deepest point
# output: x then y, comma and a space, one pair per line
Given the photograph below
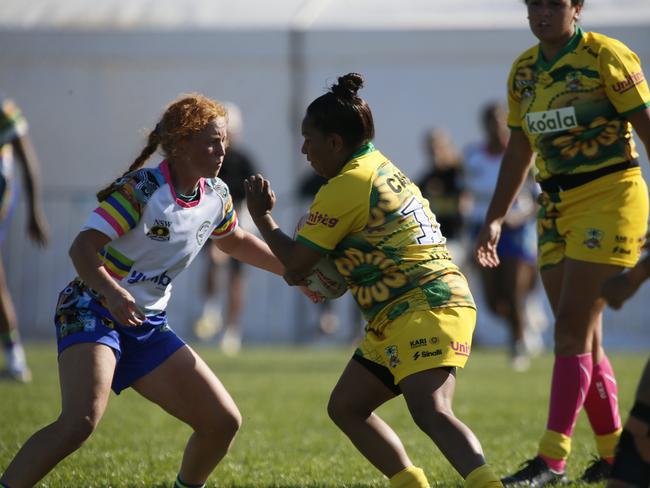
287, 440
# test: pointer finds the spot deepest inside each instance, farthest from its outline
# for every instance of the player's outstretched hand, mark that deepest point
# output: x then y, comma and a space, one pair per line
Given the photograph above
485, 249
260, 197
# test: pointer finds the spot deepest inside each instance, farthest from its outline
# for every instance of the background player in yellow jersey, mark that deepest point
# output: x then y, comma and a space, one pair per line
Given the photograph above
386, 242
573, 100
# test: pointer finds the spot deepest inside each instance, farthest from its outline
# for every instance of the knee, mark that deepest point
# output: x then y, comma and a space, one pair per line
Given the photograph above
75, 430
341, 411
228, 423
222, 424
336, 409
432, 419
570, 341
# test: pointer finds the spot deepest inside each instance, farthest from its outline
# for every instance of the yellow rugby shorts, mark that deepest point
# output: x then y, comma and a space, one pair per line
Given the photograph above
422, 340
603, 221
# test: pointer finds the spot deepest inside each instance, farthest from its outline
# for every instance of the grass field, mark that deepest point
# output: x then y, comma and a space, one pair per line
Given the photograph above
287, 440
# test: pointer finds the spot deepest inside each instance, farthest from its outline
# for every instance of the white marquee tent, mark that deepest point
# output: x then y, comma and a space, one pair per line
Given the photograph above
93, 75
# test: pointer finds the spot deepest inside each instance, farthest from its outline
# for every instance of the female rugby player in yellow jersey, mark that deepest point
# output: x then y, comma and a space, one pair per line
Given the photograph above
573, 100
385, 241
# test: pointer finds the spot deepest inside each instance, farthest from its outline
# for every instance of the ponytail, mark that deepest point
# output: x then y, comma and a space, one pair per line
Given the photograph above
152, 144
341, 111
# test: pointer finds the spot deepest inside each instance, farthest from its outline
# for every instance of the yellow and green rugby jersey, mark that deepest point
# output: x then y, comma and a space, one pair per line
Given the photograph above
384, 240
573, 108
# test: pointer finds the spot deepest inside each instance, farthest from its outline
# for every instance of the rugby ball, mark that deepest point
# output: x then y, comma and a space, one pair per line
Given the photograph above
323, 279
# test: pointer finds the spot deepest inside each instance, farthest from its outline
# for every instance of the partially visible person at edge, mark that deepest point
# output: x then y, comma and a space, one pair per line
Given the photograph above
574, 99
443, 186
631, 467
507, 288
237, 165
111, 326
387, 244
15, 140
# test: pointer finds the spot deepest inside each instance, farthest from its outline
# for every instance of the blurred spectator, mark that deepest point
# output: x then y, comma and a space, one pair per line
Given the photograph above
507, 288
442, 186
14, 139
237, 166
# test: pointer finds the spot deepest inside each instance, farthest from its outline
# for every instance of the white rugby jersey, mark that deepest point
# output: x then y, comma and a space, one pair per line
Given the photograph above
154, 234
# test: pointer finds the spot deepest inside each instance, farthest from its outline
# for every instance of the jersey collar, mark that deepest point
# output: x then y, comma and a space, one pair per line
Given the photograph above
164, 168
546, 65
363, 150
367, 148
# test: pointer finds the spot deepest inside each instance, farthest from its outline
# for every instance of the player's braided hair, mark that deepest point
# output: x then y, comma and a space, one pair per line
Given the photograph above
184, 117
342, 111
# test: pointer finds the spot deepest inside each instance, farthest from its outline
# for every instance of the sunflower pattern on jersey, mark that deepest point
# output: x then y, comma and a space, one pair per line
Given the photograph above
393, 266
574, 109
591, 145
588, 141
376, 277
383, 201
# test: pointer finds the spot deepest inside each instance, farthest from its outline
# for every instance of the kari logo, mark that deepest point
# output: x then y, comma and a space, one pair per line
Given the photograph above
418, 343
203, 232
551, 120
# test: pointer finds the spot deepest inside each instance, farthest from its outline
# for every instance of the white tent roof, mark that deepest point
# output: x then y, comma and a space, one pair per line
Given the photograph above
302, 14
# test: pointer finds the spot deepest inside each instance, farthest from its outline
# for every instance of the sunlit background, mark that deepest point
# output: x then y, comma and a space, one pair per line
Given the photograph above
93, 76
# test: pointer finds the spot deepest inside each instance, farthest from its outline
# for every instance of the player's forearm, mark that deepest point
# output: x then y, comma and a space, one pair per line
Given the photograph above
251, 250
90, 268
511, 179
512, 175
27, 155
280, 243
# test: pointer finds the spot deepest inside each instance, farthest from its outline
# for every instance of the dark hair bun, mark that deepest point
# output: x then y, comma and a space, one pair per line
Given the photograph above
348, 85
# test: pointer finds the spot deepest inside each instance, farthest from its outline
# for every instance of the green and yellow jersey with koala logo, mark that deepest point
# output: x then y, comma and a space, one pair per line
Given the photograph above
384, 240
573, 108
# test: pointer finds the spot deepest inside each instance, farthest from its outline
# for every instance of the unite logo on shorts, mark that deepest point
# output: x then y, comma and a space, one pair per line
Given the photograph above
551, 120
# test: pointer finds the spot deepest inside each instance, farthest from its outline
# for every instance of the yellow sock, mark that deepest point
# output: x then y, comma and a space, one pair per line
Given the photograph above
411, 477
483, 476
606, 444
555, 445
